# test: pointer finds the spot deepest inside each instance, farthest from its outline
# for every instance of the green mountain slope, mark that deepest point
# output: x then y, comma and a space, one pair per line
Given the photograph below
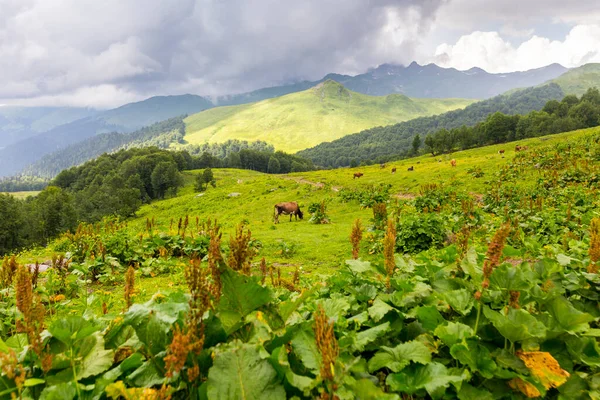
578, 80
381, 143
300, 120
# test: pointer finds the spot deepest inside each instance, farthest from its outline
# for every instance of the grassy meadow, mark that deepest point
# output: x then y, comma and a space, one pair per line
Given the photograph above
249, 197
300, 120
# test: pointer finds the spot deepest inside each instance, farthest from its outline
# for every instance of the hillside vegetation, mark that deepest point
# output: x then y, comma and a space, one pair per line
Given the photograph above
304, 119
478, 280
577, 80
395, 141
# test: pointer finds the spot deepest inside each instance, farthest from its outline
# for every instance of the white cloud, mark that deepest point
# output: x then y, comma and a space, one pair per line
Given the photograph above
488, 50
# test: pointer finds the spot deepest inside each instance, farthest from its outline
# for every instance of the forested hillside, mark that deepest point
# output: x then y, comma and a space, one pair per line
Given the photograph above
570, 114
393, 141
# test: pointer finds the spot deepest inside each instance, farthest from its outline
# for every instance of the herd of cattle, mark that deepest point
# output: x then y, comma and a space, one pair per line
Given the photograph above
291, 208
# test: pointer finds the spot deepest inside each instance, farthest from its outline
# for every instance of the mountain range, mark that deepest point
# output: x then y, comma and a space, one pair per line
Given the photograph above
414, 80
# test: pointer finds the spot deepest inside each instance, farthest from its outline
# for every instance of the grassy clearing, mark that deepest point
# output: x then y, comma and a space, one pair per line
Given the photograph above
24, 194
304, 119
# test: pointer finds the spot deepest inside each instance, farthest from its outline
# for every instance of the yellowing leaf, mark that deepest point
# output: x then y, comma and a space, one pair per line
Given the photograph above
544, 367
524, 387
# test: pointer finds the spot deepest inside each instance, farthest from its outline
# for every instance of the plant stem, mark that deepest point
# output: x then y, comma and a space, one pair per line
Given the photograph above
75, 375
478, 316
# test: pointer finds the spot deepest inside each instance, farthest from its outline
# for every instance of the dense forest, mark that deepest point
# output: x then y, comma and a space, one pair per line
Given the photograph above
382, 144
567, 115
117, 184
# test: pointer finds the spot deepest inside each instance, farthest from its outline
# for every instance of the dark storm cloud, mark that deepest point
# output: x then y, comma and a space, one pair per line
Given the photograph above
111, 52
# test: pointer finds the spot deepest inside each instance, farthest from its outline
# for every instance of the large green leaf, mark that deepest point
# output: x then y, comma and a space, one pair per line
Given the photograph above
82, 356
304, 346
429, 317
335, 307
396, 358
517, 326
453, 332
364, 389
146, 375
506, 277
379, 309
460, 300
477, 357
241, 372
365, 337
280, 362
241, 295
567, 318
359, 266
153, 320
72, 329
584, 349
468, 392
433, 377
96, 359
286, 308
62, 391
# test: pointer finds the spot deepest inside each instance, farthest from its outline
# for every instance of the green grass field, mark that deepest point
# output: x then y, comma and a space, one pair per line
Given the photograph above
321, 248
304, 119
24, 194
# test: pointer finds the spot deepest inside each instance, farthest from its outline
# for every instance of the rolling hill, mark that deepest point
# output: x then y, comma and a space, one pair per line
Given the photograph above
578, 80
395, 140
300, 120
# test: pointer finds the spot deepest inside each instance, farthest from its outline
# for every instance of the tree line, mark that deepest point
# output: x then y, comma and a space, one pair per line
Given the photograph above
569, 114
382, 144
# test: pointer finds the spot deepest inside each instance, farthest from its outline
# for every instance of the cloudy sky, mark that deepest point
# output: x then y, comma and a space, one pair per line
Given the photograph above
107, 53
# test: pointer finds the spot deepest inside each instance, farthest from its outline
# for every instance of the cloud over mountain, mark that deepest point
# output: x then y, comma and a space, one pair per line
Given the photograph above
110, 52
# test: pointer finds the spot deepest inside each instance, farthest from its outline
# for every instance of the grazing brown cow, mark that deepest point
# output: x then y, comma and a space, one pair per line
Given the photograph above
394, 170
357, 175
453, 162
501, 151
382, 165
411, 168
290, 208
